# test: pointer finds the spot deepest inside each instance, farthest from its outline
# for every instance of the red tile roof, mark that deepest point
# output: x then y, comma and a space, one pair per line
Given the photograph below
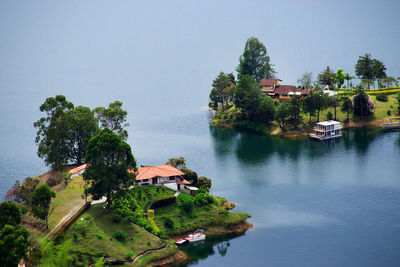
183, 182
268, 82
77, 169
155, 171
286, 89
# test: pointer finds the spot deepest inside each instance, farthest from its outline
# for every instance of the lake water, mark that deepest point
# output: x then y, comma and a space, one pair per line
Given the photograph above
312, 204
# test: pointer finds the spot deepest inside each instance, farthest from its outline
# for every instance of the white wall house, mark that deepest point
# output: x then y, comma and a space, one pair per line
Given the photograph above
326, 130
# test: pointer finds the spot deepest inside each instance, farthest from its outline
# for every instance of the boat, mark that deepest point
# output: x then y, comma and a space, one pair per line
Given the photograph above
181, 242
196, 236
391, 126
326, 130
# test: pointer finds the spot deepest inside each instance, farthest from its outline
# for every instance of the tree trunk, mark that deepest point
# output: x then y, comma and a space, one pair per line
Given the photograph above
108, 200
310, 119
335, 112
318, 116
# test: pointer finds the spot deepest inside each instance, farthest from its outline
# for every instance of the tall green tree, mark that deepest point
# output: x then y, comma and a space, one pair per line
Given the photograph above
308, 106
255, 61
13, 244
10, 214
348, 77
334, 102
294, 109
113, 118
82, 126
320, 100
266, 110
247, 97
368, 68
326, 76
362, 107
305, 80
282, 114
109, 158
52, 136
41, 199
339, 78
347, 107
222, 91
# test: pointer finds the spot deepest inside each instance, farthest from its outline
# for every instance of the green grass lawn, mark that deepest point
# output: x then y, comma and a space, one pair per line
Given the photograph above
213, 213
147, 194
93, 234
66, 199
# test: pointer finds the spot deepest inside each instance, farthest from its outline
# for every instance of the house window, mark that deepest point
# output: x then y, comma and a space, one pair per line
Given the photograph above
172, 178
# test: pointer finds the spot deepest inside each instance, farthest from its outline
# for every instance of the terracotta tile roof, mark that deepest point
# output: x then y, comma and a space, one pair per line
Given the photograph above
77, 169
155, 171
268, 82
183, 182
286, 89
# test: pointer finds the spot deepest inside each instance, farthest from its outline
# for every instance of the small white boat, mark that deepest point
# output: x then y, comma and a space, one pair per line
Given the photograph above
196, 236
180, 242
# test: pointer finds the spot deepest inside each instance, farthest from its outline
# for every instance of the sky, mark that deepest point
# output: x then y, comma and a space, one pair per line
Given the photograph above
160, 57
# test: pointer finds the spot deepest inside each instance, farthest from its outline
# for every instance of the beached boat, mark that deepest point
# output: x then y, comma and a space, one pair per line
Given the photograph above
391, 126
326, 130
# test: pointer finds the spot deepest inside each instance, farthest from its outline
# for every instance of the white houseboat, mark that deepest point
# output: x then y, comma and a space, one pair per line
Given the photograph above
326, 130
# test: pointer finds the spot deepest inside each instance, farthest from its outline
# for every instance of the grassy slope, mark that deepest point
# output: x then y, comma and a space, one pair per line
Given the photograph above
95, 235
66, 199
153, 192
200, 216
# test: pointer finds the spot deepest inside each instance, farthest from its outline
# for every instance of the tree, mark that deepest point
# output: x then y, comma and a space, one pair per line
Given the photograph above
113, 118
51, 136
179, 163
13, 244
247, 97
25, 190
293, 111
41, 199
347, 107
334, 102
326, 76
308, 106
339, 78
305, 80
204, 182
366, 83
281, 114
10, 214
367, 68
222, 90
255, 62
109, 158
192, 177
320, 100
266, 110
362, 106
82, 125
388, 81
348, 77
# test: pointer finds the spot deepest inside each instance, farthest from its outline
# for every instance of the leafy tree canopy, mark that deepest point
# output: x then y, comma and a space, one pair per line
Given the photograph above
247, 96
305, 80
113, 118
369, 68
222, 91
326, 76
13, 244
204, 182
255, 61
109, 158
41, 199
52, 136
10, 214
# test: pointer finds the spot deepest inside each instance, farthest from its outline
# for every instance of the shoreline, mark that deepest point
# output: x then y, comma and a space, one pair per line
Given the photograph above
274, 130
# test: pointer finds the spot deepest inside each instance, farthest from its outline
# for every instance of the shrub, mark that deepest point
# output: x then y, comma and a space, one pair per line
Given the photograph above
99, 236
329, 116
52, 181
200, 199
168, 222
120, 235
75, 236
188, 205
389, 113
129, 255
116, 218
382, 97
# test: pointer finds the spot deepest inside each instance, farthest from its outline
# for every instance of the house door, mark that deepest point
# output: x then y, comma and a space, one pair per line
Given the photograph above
154, 180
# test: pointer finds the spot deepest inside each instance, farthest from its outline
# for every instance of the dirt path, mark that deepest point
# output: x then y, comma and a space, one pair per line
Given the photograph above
148, 251
64, 219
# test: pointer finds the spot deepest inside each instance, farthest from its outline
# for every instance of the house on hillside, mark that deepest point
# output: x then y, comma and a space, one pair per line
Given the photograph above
77, 171
268, 85
274, 89
160, 175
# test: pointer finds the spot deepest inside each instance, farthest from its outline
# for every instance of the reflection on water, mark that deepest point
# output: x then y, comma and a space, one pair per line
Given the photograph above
199, 251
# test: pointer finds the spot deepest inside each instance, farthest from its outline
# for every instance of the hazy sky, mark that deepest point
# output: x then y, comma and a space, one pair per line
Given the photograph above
166, 53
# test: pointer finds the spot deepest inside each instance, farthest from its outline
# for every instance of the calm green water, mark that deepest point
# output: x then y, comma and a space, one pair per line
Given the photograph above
312, 204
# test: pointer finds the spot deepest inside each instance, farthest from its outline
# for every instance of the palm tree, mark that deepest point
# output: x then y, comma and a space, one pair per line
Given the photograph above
348, 78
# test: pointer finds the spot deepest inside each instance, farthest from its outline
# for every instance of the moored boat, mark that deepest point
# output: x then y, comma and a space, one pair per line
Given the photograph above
326, 130
196, 236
